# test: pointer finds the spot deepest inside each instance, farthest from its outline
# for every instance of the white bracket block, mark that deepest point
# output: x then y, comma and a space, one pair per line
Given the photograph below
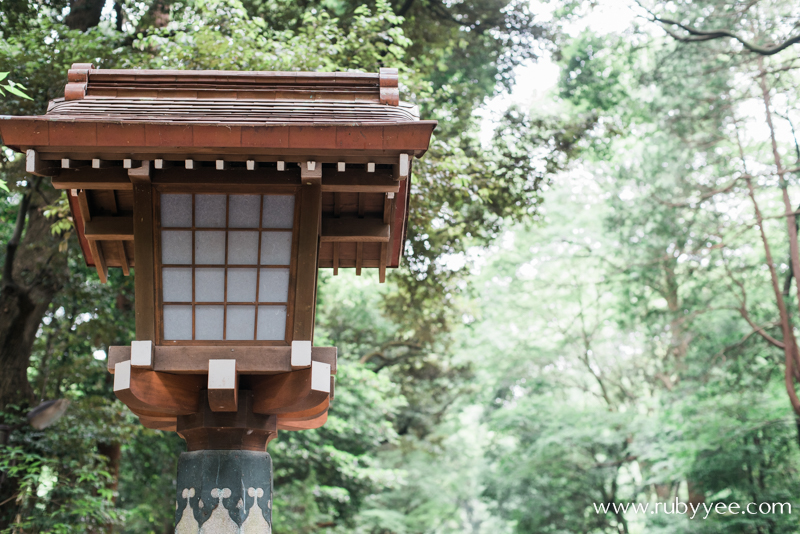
301, 354
341, 166
142, 354
311, 165
221, 165
370, 167
122, 375
321, 377
390, 195
281, 165
251, 165
404, 166
190, 164
221, 374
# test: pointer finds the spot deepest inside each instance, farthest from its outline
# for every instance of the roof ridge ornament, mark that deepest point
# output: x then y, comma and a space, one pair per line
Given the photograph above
78, 79
390, 94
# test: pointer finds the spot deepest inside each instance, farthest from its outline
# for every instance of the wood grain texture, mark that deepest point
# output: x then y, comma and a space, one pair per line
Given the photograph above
304, 425
109, 228
308, 248
164, 393
145, 301
258, 360
353, 229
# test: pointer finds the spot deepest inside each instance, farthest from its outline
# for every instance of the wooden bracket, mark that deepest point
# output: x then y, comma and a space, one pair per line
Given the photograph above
138, 174
35, 165
311, 172
291, 392
223, 386
159, 393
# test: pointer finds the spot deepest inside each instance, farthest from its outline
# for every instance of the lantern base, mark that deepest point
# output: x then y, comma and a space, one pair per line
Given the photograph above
224, 492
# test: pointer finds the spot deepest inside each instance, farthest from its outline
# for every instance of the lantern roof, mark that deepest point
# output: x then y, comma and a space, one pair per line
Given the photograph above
146, 113
183, 126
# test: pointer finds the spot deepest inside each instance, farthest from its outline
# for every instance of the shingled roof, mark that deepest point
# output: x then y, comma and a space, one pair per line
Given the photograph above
110, 121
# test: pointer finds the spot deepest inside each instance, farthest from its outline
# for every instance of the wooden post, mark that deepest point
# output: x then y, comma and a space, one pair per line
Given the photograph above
144, 259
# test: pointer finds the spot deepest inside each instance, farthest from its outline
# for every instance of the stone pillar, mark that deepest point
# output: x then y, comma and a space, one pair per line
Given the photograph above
225, 478
224, 492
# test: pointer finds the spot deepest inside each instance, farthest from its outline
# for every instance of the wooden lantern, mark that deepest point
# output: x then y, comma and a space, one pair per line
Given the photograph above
226, 192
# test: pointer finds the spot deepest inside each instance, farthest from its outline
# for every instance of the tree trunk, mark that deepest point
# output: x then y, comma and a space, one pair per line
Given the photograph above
84, 14
33, 273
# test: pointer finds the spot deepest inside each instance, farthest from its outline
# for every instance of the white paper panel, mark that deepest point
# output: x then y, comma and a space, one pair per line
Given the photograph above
177, 284
242, 247
241, 285
276, 248
271, 323
208, 322
209, 284
273, 285
209, 211
176, 246
240, 322
278, 211
177, 322
209, 247
176, 210
244, 211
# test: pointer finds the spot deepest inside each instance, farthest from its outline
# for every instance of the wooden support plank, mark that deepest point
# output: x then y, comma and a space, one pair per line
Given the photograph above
144, 300
358, 181
308, 249
103, 163
123, 259
250, 360
335, 259
387, 209
99, 261
35, 165
337, 204
223, 386
88, 178
151, 391
67, 163
351, 229
83, 206
359, 257
109, 228
382, 268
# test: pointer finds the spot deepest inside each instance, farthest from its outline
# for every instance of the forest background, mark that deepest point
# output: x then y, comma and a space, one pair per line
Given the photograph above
598, 300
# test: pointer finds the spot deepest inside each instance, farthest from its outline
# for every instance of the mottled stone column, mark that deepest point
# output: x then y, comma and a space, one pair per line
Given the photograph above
225, 480
224, 492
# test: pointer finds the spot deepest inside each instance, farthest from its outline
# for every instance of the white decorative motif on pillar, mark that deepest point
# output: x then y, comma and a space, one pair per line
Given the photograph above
188, 524
255, 522
220, 521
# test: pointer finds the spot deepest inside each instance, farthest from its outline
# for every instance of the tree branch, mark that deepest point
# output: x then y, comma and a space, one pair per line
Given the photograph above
696, 35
